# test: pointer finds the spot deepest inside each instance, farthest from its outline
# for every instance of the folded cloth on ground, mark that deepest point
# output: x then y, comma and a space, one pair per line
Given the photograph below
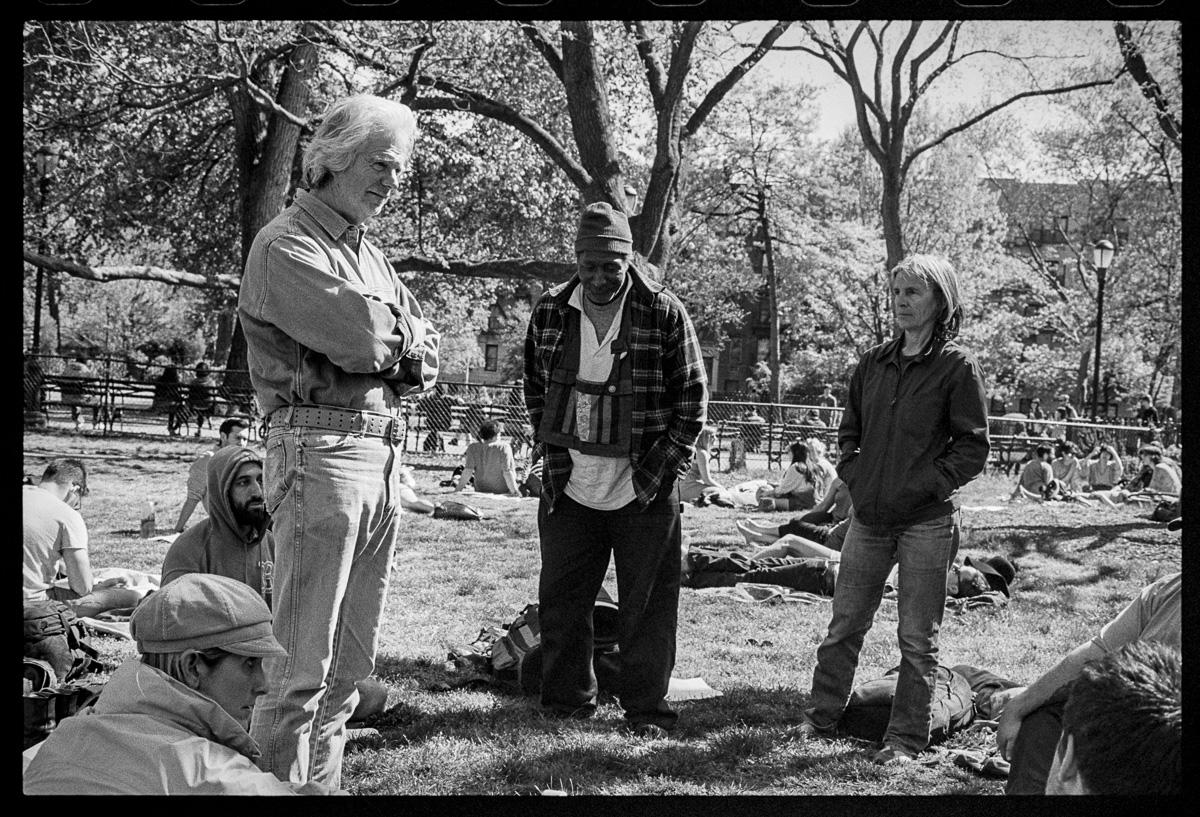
690, 689
137, 580
749, 592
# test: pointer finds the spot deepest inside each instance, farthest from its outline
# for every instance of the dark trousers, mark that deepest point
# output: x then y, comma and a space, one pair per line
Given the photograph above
1033, 750
645, 544
725, 569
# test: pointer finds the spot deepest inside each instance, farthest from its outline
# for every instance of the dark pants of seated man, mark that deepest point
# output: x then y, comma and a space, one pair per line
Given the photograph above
1033, 750
722, 569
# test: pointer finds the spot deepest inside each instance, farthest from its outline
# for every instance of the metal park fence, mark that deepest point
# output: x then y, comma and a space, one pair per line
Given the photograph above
111, 396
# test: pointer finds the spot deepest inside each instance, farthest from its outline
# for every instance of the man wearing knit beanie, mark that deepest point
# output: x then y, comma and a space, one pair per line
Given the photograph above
617, 394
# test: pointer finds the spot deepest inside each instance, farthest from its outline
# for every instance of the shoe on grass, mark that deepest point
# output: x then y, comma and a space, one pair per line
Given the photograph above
891, 756
806, 730
647, 731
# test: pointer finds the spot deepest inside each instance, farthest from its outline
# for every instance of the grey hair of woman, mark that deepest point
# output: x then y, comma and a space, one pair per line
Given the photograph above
347, 124
939, 275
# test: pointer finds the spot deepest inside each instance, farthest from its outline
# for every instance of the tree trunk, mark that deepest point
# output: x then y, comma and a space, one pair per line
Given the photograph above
889, 212
268, 174
591, 122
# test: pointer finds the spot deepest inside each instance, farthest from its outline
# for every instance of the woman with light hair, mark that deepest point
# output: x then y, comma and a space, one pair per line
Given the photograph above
699, 485
914, 430
820, 468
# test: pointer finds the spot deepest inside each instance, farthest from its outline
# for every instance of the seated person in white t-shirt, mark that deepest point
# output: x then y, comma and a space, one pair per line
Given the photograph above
53, 529
490, 461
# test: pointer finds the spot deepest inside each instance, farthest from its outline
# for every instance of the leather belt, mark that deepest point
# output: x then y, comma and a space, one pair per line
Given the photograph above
348, 421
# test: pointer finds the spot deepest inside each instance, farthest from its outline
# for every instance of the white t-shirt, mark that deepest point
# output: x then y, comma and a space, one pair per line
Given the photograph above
51, 526
603, 483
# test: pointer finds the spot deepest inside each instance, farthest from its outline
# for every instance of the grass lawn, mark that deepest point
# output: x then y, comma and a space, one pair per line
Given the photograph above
1076, 568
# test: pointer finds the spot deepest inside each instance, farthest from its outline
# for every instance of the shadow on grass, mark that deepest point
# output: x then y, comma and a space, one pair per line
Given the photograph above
1053, 540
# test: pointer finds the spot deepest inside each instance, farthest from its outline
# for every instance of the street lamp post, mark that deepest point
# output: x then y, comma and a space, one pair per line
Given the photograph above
46, 162
1102, 255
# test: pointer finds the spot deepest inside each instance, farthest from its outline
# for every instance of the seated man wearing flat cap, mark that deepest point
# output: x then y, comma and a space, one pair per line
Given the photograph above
173, 720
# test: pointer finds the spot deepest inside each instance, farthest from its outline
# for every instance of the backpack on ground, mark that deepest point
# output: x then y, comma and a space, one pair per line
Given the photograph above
53, 634
46, 702
870, 706
1165, 510
605, 651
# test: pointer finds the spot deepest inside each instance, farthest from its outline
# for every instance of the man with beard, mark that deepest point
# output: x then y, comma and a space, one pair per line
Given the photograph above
233, 541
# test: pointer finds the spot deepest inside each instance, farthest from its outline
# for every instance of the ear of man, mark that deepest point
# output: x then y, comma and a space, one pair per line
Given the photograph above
1065, 777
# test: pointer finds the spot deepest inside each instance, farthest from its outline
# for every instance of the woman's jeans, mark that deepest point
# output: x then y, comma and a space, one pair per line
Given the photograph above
576, 543
924, 551
334, 503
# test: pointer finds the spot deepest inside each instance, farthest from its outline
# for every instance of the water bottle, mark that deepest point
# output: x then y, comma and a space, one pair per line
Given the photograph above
149, 521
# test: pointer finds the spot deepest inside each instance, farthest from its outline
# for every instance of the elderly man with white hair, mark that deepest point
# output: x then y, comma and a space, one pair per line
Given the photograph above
334, 340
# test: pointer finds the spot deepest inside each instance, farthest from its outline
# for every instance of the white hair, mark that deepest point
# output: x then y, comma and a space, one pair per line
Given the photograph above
347, 124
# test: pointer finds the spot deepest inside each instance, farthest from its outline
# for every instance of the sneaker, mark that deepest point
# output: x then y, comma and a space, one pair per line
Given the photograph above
891, 756
806, 730
648, 731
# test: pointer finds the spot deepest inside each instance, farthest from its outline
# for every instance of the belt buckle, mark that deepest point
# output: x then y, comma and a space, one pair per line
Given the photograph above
395, 429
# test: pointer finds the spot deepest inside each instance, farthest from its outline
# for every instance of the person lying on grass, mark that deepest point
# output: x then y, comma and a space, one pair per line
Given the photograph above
802, 564
823, 524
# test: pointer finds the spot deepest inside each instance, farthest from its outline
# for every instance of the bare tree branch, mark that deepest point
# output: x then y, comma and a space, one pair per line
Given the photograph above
962, 126
1135, 63
543, 46
514, 268
654, 69
463, 99
130, 271
719, 90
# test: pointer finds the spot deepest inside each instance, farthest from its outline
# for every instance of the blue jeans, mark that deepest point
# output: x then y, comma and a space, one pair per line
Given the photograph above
576, 542
924, 551
334, 503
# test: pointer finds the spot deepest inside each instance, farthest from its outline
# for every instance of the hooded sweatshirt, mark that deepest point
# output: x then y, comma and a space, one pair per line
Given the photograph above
217, 544
150, 734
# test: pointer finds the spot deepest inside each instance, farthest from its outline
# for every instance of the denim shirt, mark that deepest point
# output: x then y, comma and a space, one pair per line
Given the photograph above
327, 321
913, 432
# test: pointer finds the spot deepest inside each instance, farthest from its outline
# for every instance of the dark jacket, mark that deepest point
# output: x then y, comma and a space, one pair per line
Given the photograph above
912, 433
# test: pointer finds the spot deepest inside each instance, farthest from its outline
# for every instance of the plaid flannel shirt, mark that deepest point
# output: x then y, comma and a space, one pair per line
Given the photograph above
669, 384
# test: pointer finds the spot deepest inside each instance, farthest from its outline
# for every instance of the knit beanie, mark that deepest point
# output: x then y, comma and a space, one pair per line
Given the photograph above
603, 228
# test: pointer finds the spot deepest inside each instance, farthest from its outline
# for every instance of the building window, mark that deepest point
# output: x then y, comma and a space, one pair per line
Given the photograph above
735, 352
764, 348
491, 357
